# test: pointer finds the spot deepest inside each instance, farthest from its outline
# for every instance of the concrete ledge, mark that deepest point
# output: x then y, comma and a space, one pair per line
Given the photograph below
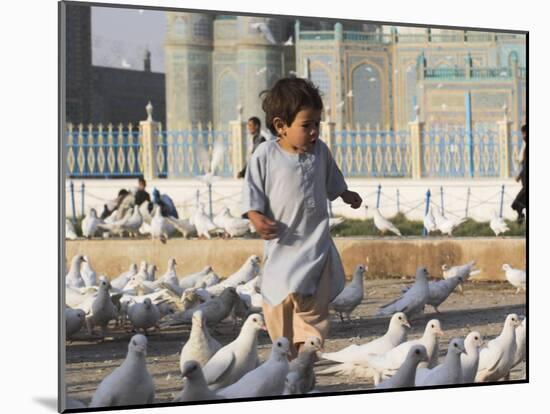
386, 257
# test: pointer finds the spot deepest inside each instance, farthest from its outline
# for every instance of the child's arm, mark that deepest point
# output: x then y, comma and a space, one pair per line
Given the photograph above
336, 185
351, 198
254, 197
265, 227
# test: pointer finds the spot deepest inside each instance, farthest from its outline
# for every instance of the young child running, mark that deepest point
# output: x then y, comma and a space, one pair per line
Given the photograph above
287, 184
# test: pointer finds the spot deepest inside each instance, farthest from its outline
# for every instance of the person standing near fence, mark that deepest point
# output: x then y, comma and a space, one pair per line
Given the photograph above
520, 202
254, 126
285, 192
142, 195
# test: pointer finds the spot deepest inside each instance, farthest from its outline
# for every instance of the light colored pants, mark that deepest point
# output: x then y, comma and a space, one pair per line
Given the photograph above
300, 316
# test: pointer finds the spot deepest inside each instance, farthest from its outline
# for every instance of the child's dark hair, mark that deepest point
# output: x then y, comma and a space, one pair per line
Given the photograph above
288, 97
524, 128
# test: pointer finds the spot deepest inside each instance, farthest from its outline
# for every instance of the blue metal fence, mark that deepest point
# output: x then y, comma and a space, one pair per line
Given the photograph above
103, 152
372, 153
446, 152
177, 152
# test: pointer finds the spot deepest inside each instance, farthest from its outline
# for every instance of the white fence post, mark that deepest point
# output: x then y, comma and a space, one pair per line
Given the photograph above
238, 142
416, 129
149, 132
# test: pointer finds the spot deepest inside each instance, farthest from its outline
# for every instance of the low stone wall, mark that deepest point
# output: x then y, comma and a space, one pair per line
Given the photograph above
385, 257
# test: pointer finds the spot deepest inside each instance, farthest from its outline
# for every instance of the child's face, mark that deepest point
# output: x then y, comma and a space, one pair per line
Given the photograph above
300, 136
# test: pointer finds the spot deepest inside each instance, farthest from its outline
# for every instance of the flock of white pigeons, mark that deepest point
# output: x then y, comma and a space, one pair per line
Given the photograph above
141, 302
138, 221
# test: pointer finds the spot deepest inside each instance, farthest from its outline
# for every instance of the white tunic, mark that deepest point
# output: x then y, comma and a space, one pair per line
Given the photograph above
292, 189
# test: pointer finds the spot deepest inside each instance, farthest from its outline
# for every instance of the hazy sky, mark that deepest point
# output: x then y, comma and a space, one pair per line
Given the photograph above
120, 36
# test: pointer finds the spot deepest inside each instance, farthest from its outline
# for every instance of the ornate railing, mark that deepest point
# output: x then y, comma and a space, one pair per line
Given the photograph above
177, 152
103, 151
450, 152
372, 153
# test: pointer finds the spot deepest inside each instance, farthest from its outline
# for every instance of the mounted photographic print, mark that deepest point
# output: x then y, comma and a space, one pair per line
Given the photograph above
267, 206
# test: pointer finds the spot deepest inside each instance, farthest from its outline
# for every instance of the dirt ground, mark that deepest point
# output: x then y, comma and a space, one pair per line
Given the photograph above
483, 307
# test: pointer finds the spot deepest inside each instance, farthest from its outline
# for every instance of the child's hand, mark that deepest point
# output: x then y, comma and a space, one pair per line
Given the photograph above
351, 198
265, 227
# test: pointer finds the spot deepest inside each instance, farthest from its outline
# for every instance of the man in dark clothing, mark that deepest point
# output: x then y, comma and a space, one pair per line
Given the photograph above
114, 204
520, 202
141, 194
254, 125
167, 207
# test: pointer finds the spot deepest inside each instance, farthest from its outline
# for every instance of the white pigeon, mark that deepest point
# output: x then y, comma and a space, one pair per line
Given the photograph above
74, 321
191, 280
170, 276
413, 300
74, 279
352, 295
429, 222
77, 297
200, 346
88, 274
145, 229
144, 315
250, 293
234, 226
158, 226
470, 359
497, 224
237, 358
516, 277
394, 336
383, 224
208, 280
248, 271
496, 359
388, 363
70, 232
266, 380
133, 223
464, 271
263, 28
215, 310
137, 285
184, 226
405, 375
447, 373
142, 274
102, 310
117, 225
220, 218
521, 335
210, 167
195, 387
445, 225
90, 223
203, 224
120, 281
151, 270
130, 383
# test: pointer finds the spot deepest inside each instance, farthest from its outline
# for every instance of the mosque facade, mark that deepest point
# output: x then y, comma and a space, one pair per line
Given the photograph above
370, 75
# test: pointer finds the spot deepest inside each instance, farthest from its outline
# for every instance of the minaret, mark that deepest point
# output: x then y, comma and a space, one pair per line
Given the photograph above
188, 52
259, 54
147, 61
